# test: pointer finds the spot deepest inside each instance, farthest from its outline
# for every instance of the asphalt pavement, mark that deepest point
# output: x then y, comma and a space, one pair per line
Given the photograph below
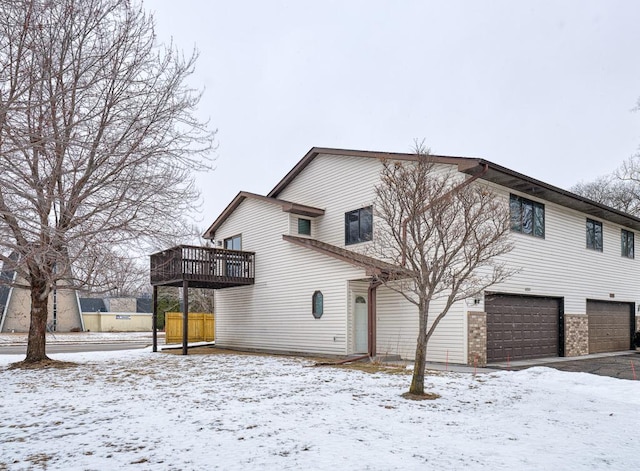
622, 365
75, 347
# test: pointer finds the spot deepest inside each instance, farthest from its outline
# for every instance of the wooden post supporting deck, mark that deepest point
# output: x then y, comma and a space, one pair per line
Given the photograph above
154, 318
185, 317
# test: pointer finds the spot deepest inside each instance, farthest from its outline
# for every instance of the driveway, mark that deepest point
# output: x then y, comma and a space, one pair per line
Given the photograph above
623, 365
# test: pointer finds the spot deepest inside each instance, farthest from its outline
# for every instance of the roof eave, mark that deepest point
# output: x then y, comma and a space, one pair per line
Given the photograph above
287, 207
530, 186
315, 151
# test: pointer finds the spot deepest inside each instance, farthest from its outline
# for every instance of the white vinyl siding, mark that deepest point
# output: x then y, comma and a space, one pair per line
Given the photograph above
275, 313
560, 265
397, 328
338, 185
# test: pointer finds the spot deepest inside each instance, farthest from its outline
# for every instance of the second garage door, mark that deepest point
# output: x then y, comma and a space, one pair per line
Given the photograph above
522, 327
609, 326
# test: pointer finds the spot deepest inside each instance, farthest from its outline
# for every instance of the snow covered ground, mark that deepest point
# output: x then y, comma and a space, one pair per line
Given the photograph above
140, 410
80, 337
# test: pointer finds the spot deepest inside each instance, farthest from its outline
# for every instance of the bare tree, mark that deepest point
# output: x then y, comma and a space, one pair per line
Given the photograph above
114, 273
98, 140
446, 232
620, 190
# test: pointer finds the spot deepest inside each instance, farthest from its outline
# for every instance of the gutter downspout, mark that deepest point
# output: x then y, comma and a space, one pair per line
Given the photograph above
425, 208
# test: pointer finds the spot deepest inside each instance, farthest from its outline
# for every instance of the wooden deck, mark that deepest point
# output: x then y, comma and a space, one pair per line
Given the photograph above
202, 267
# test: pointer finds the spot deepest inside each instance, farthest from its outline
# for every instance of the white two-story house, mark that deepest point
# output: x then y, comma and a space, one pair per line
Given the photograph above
575, 292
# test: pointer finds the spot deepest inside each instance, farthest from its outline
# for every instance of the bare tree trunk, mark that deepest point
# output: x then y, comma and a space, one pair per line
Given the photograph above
99, 145
445, 231
417, 381
38, 327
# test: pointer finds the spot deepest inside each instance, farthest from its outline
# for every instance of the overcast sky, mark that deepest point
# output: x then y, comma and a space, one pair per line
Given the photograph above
546, 88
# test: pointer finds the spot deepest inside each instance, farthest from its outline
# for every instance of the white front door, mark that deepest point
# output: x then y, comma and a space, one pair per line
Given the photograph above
361, 324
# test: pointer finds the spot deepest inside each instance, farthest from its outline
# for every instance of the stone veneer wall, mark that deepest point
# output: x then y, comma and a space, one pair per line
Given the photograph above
477, 338
576, 335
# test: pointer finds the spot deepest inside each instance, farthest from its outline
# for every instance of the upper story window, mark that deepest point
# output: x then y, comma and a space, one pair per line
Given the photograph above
627, 244
594, 235
304, 226
358, 226
233, 243
527, 216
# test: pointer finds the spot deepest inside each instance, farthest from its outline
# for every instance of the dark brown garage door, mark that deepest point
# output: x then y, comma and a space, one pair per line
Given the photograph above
609, 326
521, 327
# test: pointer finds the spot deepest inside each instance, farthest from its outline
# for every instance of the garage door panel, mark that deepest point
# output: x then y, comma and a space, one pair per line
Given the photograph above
521, 327
609, 326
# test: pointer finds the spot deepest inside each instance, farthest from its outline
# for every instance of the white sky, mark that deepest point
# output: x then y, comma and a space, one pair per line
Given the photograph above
546, 88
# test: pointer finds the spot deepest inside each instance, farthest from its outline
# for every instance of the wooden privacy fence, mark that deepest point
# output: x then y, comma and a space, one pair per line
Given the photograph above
201, 327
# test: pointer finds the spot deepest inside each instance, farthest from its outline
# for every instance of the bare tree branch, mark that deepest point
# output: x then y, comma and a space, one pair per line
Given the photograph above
447, 231
98, 140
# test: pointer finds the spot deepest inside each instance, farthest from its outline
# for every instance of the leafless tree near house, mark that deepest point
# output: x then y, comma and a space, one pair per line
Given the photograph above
620, 190
98, 141
115, 273
126, 273
446, 233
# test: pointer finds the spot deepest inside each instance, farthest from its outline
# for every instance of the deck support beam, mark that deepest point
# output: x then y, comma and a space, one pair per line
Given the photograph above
154, 318
185, 317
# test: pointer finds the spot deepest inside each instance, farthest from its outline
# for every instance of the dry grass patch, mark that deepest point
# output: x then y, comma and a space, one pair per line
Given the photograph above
41, 365
369, 367
420, 397
366, 366
215, 351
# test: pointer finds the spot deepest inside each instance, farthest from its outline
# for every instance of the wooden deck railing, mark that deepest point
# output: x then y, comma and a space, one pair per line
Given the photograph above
202, 267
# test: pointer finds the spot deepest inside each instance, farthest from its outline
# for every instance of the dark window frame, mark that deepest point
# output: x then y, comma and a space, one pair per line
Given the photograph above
627, 244
233, 266
317, 304
358, 225
232, 239
528, 217
595, 237
304, 226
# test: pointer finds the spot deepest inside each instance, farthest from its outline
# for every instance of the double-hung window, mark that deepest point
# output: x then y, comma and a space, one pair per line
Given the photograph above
527, 217
358, 226
627, 244
594, 235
